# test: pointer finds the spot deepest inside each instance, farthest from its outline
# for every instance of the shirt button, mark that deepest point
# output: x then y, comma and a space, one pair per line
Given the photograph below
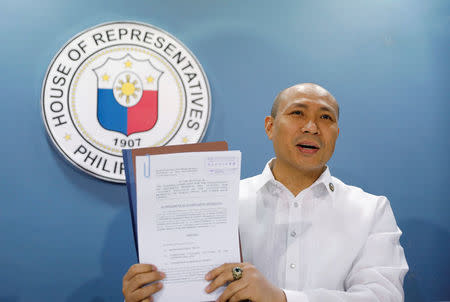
292, 265
331, 187
293, 234
296, 204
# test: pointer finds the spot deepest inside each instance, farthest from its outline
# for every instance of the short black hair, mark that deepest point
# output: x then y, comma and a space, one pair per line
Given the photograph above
276, 104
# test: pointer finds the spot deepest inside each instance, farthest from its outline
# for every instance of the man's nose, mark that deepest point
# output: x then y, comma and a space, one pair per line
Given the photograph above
310, 127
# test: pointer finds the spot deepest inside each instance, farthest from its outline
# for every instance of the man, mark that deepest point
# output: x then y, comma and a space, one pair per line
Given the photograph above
305, 235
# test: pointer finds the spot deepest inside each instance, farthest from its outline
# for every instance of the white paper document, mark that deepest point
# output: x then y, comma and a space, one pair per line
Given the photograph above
187, 218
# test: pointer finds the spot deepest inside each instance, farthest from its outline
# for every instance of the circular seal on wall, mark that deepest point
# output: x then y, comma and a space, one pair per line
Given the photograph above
123, 85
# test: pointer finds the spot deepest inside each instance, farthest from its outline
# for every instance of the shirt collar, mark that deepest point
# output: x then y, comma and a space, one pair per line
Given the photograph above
266, 176
324, 181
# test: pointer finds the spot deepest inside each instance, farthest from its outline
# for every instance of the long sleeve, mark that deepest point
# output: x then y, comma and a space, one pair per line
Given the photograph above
377, 272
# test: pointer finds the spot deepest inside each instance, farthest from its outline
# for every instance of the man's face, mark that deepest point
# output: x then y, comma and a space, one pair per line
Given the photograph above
305, 128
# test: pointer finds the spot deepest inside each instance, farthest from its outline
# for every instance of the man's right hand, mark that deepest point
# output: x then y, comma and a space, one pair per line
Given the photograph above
134, 280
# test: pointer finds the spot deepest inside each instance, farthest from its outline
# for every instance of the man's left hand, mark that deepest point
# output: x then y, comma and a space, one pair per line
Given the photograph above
252, 285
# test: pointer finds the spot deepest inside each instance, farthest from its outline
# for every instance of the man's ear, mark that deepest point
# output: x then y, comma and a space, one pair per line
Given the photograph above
268, 125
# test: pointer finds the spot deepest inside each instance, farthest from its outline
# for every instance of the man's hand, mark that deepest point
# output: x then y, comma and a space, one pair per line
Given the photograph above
134, 280
252, 286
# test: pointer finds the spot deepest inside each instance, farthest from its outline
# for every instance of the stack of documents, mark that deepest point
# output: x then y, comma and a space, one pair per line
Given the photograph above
184, 207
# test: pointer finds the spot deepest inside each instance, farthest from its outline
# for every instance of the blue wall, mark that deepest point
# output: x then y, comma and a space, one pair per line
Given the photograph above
66, 236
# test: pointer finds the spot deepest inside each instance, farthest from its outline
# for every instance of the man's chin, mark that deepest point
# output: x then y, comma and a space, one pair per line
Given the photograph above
310, 166
302, 164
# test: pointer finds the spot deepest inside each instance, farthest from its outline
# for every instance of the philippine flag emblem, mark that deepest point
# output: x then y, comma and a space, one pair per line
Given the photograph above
127, 94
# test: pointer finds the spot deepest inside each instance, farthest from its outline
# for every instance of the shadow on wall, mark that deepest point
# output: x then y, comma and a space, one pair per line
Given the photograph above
118, 250
9, 299
427, 248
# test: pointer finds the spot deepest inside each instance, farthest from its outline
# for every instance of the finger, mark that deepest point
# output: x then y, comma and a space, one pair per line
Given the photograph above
232, 289
243, 294
215, 272
220, 280
145, 292
138, 269
218, 270
143, 279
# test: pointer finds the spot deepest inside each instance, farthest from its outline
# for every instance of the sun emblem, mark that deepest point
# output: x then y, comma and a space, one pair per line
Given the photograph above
127, 89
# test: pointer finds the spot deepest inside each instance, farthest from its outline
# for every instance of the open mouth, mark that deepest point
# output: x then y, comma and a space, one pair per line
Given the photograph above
308, 146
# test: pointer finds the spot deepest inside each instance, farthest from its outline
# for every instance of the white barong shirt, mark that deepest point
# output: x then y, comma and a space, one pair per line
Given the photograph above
331, 242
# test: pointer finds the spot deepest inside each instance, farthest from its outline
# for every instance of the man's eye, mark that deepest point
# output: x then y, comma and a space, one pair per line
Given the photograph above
297, 112
326, 117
